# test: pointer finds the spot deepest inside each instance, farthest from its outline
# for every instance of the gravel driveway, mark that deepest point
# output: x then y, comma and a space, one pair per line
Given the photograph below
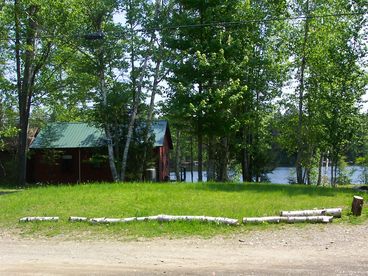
334, 249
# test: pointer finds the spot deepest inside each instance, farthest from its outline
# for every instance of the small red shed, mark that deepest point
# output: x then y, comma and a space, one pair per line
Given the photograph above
68, 153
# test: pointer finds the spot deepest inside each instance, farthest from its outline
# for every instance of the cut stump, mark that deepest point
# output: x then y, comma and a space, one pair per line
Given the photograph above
357, 205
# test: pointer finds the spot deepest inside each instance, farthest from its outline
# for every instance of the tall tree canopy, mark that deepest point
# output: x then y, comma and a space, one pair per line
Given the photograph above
245, 80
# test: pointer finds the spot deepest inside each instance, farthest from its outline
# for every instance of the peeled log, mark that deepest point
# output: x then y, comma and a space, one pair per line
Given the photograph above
77, 219
357, 205
167, 218
27, 219
335, 212
324, 219
262, 219
219, 220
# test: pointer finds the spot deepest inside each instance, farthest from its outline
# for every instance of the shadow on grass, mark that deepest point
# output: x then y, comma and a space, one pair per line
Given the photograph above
270, 188
7, 192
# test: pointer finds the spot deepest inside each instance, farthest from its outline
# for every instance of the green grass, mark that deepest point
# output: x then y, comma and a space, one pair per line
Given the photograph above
144, 199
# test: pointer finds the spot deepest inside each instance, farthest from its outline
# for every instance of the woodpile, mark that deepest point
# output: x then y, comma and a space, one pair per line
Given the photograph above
316, 215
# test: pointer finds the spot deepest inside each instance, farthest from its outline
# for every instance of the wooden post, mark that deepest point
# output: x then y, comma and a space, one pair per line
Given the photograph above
357, 205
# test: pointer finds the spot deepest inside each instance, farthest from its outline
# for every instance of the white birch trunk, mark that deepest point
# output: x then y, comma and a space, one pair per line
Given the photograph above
323, 219
77, 219
28, 219
335, 212
168, 218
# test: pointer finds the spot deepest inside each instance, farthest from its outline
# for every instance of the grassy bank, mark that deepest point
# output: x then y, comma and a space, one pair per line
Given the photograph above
144, 199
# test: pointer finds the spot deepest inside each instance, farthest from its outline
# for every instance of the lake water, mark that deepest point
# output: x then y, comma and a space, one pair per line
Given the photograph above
281, 175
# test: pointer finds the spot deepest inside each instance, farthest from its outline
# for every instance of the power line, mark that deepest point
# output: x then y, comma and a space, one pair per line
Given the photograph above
209, 24
243, 22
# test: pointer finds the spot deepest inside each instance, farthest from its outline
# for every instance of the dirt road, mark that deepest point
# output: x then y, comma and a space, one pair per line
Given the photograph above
311, 250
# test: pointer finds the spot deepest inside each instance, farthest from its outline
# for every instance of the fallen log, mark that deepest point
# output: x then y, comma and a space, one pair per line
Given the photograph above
218, 220
262, 219
167, 218
335, 212
28, 219
77, 219
323, 219
121, 220
357, 205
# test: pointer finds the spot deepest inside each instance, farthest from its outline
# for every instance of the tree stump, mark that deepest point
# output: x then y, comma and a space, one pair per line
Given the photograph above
357, 205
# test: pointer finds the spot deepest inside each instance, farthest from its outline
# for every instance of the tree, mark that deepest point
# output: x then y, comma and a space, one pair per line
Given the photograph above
202, 60
36, 27
328, 92
261, 43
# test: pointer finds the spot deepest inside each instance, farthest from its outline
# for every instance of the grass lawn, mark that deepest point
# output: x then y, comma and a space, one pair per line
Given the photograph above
144, 199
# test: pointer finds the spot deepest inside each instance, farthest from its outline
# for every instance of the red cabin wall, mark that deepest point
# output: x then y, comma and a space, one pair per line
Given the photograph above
39, 170
163, 161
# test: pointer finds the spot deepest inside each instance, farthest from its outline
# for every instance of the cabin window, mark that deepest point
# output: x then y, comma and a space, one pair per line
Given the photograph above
67, 163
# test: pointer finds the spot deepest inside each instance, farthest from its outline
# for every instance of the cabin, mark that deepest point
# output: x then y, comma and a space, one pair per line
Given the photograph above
77, 152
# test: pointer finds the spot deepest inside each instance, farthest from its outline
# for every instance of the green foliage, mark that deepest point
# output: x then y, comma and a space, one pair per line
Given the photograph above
223, 80
334, 82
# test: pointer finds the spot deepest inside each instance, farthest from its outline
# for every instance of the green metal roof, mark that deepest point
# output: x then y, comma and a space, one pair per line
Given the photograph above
83, 135
68, 135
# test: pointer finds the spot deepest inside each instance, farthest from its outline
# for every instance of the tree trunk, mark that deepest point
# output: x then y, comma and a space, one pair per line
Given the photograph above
104, 92
149, 119
211, 160
332, 181
223, 160
25, 85
247, 177
191, 159
300, 142
320, 164
2, 169
137, 91
110, 149
200, 156
177, 155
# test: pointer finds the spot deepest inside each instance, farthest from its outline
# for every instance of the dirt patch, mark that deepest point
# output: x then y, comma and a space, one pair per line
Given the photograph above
334, 249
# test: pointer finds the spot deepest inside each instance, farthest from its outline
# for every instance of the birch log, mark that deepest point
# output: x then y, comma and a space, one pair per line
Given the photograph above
218, 220
27, 219
77, 219
323, 219
167, 218
335, 212
262, 219
357, 205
